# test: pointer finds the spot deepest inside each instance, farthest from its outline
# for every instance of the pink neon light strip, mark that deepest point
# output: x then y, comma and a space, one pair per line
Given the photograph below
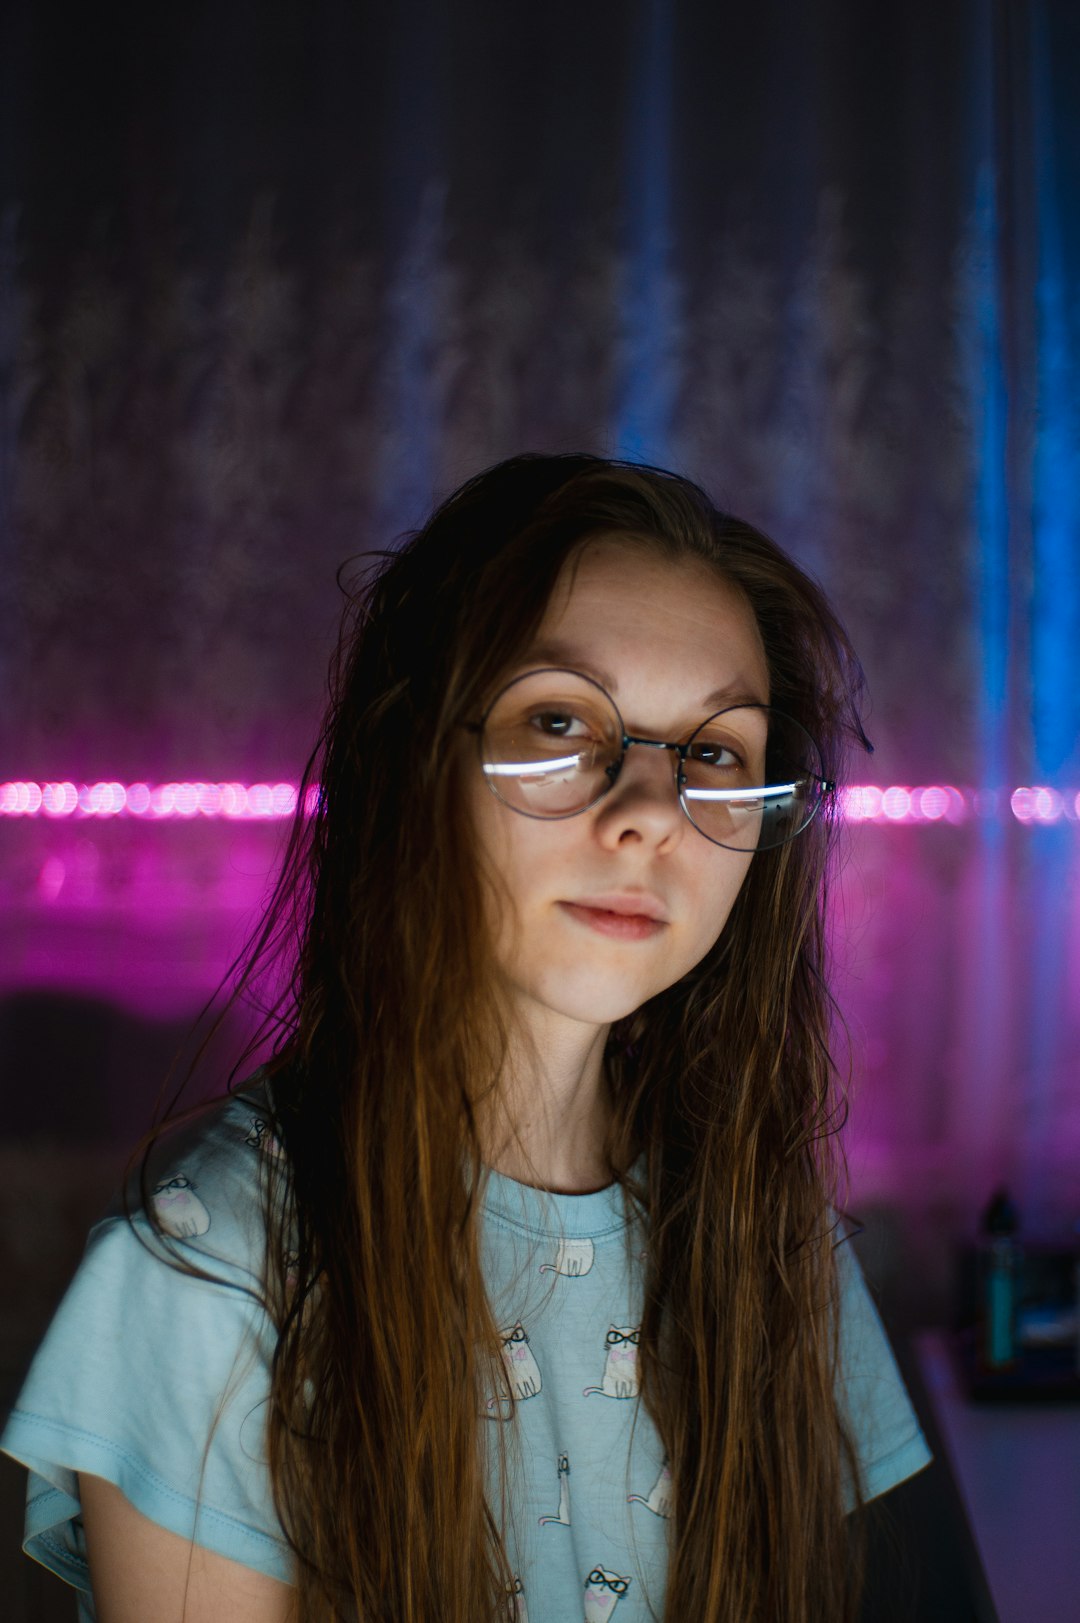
936, 803
862, 803
155, 801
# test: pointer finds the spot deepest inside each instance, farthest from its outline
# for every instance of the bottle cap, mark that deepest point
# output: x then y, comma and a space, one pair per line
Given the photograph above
1001, 1216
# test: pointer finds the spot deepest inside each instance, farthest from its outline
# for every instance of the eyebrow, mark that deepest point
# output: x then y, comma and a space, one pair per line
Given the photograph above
565, 657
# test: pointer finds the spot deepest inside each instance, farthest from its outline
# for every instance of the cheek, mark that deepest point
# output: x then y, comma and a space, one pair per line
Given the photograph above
717, 886
507, 849
713, 892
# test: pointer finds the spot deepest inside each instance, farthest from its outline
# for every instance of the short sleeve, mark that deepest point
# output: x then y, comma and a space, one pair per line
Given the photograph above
157, 1381
871, 1394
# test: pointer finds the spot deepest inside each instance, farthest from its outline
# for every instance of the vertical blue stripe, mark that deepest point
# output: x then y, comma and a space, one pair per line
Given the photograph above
987, 393
649, 379
1055, 631
1055, 623
986, 1076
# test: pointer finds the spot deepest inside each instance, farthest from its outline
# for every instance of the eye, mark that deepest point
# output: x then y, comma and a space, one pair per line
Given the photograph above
559, 724
711, 752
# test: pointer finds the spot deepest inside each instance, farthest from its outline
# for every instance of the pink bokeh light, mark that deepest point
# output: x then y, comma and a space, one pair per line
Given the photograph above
860, 803
1043, 805
273, 801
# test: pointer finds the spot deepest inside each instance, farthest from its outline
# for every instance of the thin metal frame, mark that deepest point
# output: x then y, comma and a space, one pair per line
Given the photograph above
628, 740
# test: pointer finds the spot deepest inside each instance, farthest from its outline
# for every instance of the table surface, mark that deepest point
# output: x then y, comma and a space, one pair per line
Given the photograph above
1017, 1467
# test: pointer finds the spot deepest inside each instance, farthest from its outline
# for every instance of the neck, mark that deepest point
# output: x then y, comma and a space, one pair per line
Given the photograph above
547, 1121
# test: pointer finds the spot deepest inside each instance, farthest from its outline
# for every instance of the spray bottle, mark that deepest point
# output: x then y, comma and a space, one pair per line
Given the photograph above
1000, 1283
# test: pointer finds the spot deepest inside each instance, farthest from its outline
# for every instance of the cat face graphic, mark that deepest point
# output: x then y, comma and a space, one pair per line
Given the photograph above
622, 1344
620, 1364
603, 1591
599, 1579
261, 1138
178, 1208
516, 1345
521, 1367
515, 1601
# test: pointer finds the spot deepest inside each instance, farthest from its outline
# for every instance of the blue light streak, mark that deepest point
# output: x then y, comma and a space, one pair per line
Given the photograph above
649, 381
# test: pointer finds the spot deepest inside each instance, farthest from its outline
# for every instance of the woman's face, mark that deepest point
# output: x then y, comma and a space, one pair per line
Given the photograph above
672, 643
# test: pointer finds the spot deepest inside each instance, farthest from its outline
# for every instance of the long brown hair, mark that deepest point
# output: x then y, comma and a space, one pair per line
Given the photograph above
390, 1033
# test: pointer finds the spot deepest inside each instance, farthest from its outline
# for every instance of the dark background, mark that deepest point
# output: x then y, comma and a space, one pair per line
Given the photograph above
274, 277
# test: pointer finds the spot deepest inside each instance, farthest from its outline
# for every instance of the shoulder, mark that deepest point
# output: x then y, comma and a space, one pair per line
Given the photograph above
205, 1195
155, 1372
175, 1269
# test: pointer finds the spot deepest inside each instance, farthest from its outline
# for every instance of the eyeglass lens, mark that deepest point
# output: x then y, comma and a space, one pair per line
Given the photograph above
552, 744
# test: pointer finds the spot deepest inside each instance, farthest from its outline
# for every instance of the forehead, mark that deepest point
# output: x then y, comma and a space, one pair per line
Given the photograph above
628, 611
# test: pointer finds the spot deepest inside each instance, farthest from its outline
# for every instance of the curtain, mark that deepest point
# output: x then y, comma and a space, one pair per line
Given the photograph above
273, 277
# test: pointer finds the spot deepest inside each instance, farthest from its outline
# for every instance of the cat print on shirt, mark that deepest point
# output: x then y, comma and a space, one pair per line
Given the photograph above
620, 1379
659, 1496
516, 1610
178, 1208
572, 1257
603, 1591
563, 1517
523, 1372
261, 1138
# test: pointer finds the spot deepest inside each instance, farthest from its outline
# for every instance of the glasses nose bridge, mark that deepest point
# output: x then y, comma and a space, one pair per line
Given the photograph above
630, 739
679, 750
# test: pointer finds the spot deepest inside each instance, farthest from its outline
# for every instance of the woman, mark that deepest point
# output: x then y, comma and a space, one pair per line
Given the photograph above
512, 1285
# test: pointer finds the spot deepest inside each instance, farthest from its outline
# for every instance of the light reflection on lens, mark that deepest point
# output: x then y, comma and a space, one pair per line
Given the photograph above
531, 769
773, 792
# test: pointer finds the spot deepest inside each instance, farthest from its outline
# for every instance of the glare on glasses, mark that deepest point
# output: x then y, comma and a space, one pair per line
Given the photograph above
774, 791
530, 769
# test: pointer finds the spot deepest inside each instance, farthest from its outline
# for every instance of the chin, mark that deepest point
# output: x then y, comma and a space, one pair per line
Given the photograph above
601, 1008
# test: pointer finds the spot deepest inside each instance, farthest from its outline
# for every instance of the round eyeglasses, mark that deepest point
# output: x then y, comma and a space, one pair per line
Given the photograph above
552, 743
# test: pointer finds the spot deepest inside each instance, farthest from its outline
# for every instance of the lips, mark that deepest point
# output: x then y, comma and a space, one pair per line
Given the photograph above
623, 916
632, 904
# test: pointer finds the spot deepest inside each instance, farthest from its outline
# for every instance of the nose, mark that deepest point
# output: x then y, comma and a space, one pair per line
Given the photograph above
643, 804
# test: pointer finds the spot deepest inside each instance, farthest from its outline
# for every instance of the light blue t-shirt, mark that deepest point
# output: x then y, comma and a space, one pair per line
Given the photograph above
129, 1382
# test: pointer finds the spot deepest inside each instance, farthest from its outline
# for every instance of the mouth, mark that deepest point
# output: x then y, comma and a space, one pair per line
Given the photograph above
641, 904
622, 918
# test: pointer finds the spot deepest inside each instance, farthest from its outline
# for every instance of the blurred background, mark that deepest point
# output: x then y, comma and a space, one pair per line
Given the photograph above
276, 276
